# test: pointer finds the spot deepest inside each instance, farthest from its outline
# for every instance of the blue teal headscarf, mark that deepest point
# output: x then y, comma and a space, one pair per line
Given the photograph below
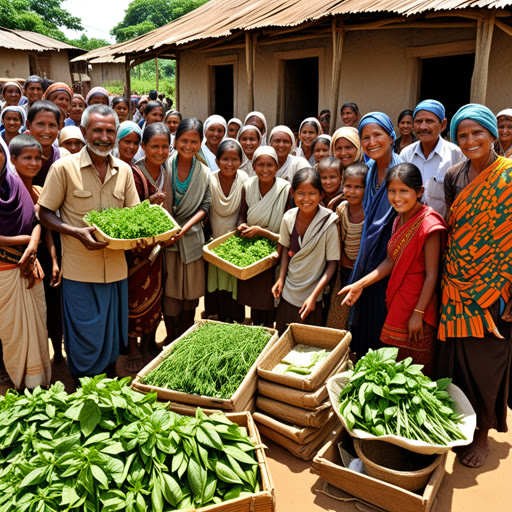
433, 106
378, 118
476, 112
127, 127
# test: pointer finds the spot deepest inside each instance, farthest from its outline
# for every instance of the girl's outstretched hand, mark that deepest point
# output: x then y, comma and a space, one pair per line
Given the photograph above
415, 327
353, 292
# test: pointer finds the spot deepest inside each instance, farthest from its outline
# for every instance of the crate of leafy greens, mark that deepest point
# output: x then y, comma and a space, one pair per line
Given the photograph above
211, 365
107, 447
122, 228
304, 356
389, 400
242, 257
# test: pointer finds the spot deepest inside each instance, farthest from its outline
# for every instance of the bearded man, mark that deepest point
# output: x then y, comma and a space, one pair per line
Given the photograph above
94, 284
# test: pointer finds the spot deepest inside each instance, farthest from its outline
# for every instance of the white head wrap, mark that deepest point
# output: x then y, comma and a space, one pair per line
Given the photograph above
284, 129
352, 135
265, 150
260, 116
208, 155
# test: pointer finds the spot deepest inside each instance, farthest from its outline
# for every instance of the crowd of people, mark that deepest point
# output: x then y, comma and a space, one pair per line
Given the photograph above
405, 241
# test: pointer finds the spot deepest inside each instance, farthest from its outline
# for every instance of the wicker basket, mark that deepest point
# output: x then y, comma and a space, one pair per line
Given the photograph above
242, 273
127, 244
386, 461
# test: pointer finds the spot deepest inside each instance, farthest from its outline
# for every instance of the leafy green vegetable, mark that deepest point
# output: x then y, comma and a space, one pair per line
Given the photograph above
243, 252
140, 221
212, 360
386, 397
302, 359
134, 454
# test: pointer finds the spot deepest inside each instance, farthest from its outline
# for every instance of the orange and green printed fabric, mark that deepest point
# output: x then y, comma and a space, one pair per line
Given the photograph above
478, 260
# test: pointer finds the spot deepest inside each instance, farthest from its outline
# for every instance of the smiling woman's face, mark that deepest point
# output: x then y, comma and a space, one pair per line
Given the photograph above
376, 142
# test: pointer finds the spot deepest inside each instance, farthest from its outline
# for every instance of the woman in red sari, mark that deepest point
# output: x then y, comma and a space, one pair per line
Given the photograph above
145, 283
412, 262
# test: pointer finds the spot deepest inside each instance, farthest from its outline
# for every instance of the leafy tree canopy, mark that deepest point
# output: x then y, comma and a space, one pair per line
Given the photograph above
43, 16
143, 16
88, 44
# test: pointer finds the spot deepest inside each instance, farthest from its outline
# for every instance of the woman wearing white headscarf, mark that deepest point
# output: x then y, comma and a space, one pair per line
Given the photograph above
309, 130
283, 141
258, 119
234, 126
215, 130
503, 146
250, 139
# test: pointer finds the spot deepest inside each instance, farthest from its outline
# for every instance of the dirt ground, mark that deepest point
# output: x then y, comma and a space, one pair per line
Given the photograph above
298, 490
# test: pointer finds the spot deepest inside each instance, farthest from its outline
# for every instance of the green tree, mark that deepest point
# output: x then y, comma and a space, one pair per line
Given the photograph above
42, 16
88, 44
143, 16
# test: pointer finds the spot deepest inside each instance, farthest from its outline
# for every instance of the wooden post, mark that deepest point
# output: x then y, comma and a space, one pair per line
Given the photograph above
249, 61
177, 83
338, 37
483, 49
157, 73
128, 85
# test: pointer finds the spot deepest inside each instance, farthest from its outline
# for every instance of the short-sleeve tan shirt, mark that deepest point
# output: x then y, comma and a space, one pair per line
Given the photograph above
74, 188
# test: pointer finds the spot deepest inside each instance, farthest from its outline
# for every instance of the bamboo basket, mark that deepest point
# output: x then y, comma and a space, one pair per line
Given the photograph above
241, 397
242, 273
323, 337
304, 399
384, 461
127, 244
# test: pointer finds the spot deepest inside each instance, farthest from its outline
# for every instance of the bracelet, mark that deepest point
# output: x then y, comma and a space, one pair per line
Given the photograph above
420, 312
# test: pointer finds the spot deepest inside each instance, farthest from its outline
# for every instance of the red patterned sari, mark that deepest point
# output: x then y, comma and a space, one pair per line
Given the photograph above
406, 248
144, 277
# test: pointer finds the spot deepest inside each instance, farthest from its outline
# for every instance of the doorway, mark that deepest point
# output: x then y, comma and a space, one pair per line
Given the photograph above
299, 91
448, 80
222, 91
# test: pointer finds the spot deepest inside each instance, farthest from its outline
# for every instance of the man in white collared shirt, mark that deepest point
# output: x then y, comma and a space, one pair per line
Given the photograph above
431, 153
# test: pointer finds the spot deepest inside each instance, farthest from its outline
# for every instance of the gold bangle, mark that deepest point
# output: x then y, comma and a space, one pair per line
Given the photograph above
420, 312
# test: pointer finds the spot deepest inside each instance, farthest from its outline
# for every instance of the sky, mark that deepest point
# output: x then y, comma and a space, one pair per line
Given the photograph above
98, 16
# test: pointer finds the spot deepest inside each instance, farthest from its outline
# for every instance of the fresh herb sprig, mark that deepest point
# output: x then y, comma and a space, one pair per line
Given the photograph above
212, 360
386, 397
243, 252
108, 448
140, 221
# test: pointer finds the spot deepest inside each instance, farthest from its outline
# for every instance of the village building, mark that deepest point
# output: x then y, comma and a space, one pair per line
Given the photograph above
292, 59
24, 53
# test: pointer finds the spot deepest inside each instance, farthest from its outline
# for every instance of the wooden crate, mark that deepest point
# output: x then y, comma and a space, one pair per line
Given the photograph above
263, 501
327, 464
236, 403
323, 337
294, 415
127, 244
304, 399
302, 451
242, 273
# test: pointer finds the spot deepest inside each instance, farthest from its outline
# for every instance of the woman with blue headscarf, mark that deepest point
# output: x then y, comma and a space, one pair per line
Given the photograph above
476, 305
368, 314
129, 136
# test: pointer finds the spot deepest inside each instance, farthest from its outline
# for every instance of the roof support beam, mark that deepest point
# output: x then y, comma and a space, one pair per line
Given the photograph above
250, 53
483, 49
128, 86
338, 38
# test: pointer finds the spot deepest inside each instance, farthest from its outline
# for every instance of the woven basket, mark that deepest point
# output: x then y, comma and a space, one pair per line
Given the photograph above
386, 462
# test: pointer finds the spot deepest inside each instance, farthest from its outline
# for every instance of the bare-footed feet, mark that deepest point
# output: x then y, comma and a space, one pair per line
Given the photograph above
134, 363
475, 454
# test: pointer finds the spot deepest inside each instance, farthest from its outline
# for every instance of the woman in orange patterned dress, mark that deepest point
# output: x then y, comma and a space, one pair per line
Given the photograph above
476, 286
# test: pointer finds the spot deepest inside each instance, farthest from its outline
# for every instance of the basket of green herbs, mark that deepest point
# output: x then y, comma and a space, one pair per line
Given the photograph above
108, 448
123, 228
241, 257
211, 365
395, 402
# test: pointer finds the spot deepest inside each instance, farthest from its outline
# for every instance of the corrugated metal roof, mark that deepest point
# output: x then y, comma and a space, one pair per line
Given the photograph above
222, 18
30, 41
